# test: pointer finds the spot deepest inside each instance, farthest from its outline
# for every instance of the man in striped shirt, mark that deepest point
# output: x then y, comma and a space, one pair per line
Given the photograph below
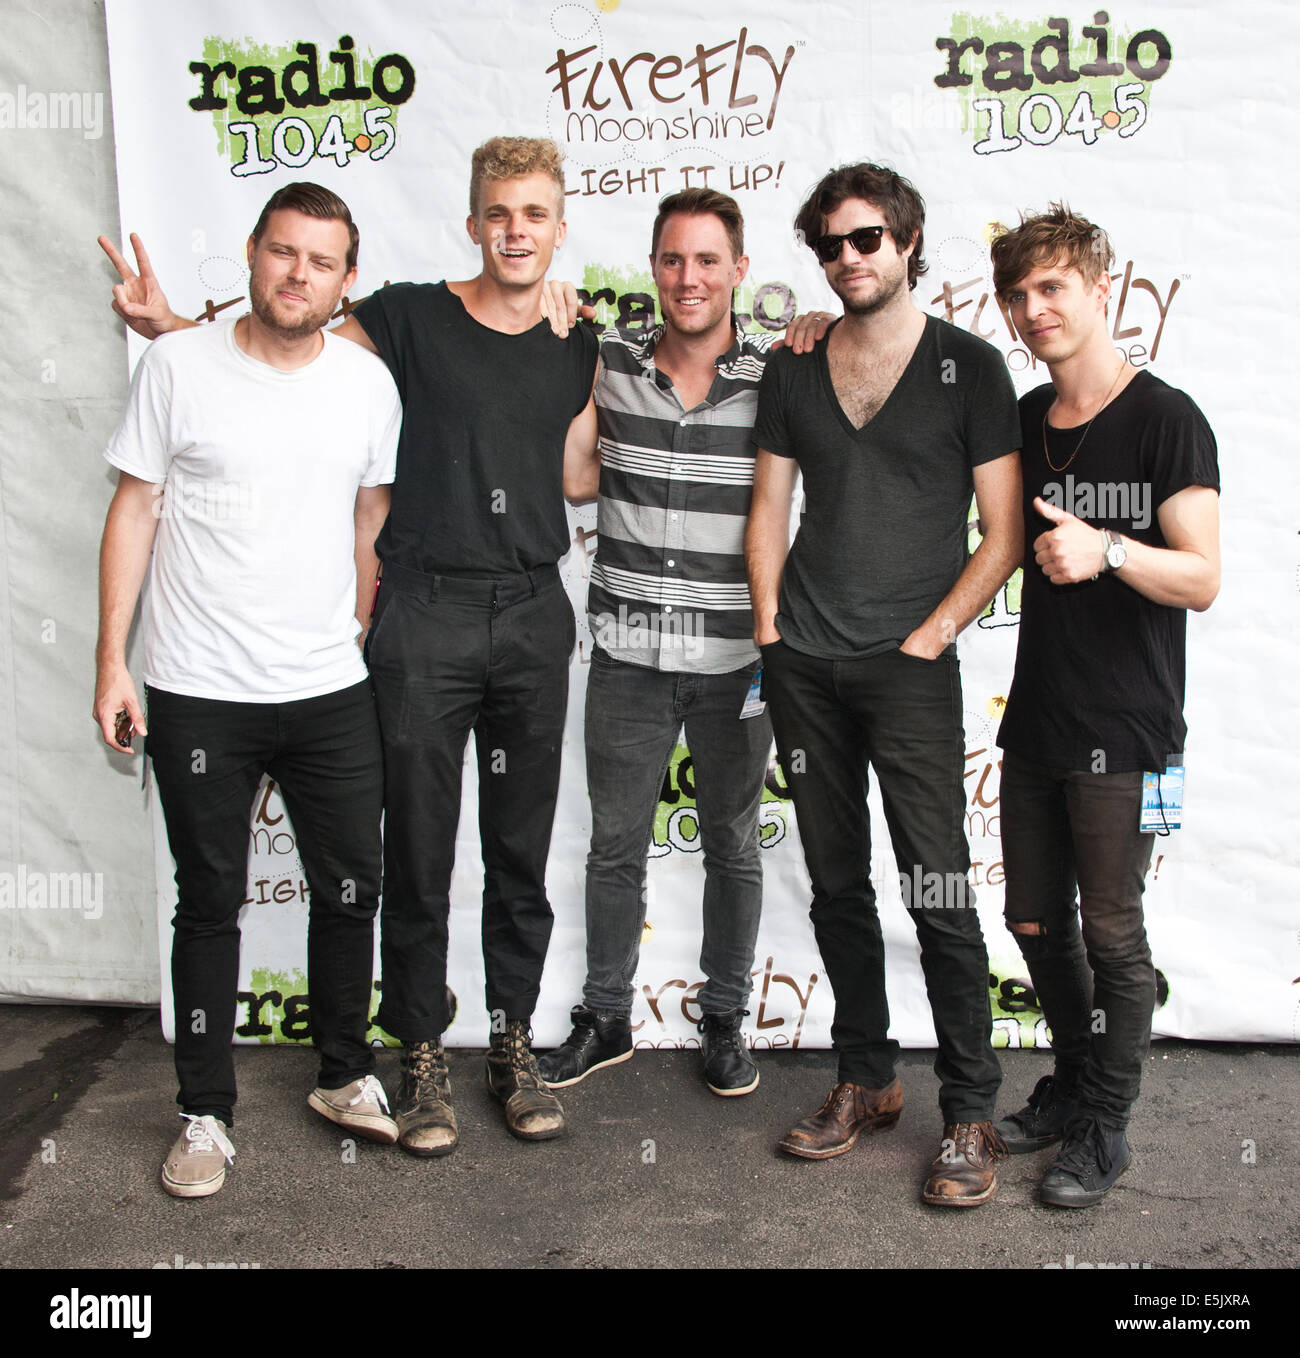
673, 631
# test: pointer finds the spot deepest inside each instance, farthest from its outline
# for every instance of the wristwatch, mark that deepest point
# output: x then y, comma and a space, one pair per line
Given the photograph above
1115, 554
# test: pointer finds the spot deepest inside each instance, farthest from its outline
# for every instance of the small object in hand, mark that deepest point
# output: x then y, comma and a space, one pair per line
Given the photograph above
123, 730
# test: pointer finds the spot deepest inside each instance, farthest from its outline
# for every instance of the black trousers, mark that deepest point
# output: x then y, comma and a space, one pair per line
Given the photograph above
1075, 857
208, 758
450, 655
902, 716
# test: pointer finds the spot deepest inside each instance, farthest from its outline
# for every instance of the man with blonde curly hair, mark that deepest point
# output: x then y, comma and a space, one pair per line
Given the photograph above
472, 629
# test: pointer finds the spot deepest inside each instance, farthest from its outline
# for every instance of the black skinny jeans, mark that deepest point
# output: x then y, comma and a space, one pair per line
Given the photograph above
209, 757
903, 716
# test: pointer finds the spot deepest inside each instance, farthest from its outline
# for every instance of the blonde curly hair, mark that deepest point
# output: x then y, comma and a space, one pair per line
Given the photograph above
512, 158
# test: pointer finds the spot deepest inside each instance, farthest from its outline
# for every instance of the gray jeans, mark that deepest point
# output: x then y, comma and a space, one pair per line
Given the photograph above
634, 715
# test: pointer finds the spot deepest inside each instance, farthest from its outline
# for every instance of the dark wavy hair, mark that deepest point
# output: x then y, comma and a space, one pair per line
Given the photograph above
896, 198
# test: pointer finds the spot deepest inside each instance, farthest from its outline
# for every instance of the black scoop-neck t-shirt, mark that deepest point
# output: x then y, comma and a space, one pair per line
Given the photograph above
480, 463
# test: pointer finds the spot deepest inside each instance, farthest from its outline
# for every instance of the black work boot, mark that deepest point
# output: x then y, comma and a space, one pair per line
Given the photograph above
426, 1121
597, 1040
1041, 1122
533, 1113
729, 1069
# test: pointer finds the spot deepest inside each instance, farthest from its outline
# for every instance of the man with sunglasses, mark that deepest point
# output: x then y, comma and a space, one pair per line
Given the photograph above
893, 420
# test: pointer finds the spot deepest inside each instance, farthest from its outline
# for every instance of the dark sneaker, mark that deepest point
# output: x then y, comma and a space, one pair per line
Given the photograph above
729, 1069
848, 1111
1092, 1157
597, 1040
964, 1173
533, 1113
361, 1106
426, 1121
1041, 1122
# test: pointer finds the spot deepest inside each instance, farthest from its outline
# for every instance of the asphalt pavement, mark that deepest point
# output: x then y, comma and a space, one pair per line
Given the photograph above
654, 1172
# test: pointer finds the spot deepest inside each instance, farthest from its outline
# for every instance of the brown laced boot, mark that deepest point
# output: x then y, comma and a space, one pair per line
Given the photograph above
426, 1121
964, 1173
533, 1113
850, 1110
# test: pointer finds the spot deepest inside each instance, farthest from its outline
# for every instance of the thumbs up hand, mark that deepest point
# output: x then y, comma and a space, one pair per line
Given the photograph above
1071, 550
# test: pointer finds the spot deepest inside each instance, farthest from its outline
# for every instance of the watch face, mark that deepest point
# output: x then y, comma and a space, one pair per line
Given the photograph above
1116, 555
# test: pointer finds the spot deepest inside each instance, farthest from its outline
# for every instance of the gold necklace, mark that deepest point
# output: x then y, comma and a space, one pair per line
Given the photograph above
1123, 363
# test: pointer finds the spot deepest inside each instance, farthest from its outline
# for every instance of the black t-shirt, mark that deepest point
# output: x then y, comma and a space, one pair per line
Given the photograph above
1100, 668
479, 488
883, 535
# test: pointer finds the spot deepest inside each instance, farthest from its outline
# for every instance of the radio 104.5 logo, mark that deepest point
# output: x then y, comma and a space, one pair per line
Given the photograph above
1030, 83
282, 107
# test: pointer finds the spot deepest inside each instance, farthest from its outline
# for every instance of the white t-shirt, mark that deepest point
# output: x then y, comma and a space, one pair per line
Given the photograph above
252, 588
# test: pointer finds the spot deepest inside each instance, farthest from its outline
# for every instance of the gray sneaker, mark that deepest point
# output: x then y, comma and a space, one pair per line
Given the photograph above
195, 1166
361, 1106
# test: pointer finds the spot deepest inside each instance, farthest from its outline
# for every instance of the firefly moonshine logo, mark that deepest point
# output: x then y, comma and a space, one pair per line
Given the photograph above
1031, 83
281, 107
714, 101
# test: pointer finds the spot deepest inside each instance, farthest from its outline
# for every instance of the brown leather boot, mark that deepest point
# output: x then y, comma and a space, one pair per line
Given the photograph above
850, 1110
964, 1173
426, 1121
533, 1113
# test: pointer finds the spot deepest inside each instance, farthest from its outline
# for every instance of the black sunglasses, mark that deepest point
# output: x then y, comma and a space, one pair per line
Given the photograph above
865, 240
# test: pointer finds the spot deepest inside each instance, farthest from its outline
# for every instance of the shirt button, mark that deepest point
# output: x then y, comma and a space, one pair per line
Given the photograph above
674, 518
682, 423
668, 608
672, 563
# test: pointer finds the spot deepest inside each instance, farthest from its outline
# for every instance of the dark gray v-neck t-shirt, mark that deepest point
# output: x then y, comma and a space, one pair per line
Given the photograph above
883, 531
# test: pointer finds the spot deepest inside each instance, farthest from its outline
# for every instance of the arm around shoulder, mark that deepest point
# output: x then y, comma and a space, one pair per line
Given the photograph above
351, 329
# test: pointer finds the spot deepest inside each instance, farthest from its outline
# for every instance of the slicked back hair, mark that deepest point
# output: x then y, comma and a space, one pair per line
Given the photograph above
312, 201
702, 203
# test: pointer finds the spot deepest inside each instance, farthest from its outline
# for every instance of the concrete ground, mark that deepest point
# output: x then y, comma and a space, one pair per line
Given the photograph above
655, 1171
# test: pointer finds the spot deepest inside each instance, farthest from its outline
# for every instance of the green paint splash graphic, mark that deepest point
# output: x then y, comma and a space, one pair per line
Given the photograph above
246, 52
1082, 51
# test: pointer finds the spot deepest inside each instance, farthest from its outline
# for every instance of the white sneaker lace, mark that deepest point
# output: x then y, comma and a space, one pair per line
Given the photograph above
205, 1135
371, 1091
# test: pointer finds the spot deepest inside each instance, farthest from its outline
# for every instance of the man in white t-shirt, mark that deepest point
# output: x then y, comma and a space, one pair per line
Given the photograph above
255, 460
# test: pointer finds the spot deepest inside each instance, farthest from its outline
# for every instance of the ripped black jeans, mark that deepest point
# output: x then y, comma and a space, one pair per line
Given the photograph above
1075, 870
